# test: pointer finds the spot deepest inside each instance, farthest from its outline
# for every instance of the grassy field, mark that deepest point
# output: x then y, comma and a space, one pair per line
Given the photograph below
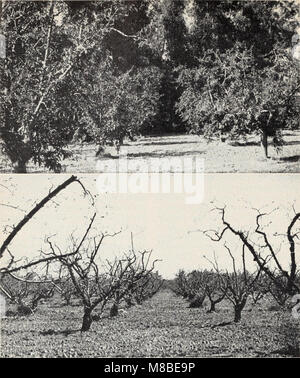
163, 326
218, 157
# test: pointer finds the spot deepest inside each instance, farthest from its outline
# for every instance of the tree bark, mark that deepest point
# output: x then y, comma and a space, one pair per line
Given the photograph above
29, 215
264, 142
114, 310
212, 307
238, 313
20, 166
197, 301
87, 319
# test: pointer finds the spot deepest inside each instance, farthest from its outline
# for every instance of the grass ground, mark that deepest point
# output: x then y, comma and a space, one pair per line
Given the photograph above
163, 326
218, 157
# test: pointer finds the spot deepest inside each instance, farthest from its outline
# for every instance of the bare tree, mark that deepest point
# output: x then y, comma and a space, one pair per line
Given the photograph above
191, 286
214, 289
289, 284
237, 285
11, 267
26, 292
95, 284
196, 282
260, 288
146, 287
64, 286
90, 285
139, 276
279, 295
181, 286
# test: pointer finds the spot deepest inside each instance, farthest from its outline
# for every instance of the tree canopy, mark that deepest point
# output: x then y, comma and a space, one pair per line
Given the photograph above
102, 71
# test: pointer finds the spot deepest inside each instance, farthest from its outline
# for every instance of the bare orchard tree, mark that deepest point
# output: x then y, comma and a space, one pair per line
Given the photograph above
289, 283
147, 287
64, 286
25, 292
98, 284
191, 286
260, 288
279, 295
196, 281
181, 286
238, 284
90, 285
139, 271
12, 265
214, 289
197, 285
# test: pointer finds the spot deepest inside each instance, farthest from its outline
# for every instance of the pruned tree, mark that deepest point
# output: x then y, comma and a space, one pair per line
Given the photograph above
145, 288
260, 288
279, 295
213, 289
181, 285
64, 286
191, 286
196, 281
263, 251
83, 271
237, 284
98, 284
137, 276
25, 291
12, 265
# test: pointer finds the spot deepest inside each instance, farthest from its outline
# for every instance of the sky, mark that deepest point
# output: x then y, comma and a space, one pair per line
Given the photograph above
164, 223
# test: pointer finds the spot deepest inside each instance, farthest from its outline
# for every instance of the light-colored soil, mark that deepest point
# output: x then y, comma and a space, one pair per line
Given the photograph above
163, 326
244, 157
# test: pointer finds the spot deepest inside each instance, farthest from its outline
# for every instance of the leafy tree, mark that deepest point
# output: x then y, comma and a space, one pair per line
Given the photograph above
113, 106
163, 42
48, 43
243, 78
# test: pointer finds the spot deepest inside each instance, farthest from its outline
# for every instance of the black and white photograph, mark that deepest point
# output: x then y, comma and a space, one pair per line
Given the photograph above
83, 82
149, 181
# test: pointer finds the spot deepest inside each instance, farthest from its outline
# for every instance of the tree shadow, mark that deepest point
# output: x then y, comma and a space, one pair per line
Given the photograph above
164, 154
243, 144
292, 143
157, 154
223, 324
154, 143
67, 332
290, 159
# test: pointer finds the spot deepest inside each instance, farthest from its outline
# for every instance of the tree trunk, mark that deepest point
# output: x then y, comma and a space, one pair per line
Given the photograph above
264, 142
197, 301
114, 310
212, 307
237, 313
87, 319
20, 166
129, 302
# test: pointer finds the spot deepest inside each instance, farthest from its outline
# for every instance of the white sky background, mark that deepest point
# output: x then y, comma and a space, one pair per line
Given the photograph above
163, 223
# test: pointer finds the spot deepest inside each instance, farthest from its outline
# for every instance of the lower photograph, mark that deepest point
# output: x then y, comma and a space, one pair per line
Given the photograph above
166, 266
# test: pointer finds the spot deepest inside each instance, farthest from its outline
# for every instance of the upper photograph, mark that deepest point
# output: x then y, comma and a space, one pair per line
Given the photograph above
154, 84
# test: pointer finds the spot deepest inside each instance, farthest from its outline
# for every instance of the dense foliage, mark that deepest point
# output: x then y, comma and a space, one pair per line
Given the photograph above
103, 71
